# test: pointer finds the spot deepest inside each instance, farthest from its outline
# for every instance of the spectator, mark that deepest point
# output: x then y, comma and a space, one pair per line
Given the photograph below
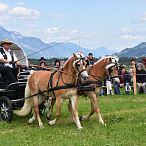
141, 78
62, 63
42, 59
108, 84
120, 69
42, 66
116, 82
132, 62
127, 88
144, 63
57, 64
125, 78
90, 59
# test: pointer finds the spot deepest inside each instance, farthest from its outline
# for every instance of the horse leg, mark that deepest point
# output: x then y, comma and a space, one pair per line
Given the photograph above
52, 102
32, 119
74, 101
71, 110
36, 111
58, 111
87, 117
96, 108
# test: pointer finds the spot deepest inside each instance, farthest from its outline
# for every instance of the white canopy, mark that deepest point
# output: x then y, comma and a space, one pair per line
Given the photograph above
22, 58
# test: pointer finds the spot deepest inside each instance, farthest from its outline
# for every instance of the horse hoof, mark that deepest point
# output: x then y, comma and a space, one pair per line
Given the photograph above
51, 123
41, 126
79, 128
30, 121
81, 118
48, 116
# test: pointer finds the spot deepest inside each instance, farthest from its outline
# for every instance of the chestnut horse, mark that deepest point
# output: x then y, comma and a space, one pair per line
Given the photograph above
97, 72
38, 82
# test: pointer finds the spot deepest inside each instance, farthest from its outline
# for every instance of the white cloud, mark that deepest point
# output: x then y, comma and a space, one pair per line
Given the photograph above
75, 31
56, 16
126, 30
132, 37
9, 14
60, 34
3, 7
23, 12
53, 30
143, 18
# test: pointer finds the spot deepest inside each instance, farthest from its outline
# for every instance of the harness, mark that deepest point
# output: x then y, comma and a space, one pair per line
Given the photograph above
5, 56
66, 85
3, 53
50, 83
51, 80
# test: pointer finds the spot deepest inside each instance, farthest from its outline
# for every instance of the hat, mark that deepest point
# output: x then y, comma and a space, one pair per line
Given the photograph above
90, 54
57, 61
6, 41
132, 59
42, 59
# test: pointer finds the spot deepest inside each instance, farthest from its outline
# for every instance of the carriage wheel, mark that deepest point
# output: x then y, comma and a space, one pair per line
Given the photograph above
6, 110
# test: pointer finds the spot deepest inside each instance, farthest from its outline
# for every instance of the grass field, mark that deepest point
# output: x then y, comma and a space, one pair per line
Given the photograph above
125, 117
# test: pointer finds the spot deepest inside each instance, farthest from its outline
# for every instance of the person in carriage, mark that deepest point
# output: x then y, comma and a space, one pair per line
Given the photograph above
8, 62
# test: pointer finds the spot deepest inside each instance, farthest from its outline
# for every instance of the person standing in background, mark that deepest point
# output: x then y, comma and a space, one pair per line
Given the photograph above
144, 63
90, 59
140, 78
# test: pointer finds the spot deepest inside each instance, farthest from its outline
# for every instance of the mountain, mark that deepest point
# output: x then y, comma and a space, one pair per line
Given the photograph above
102, 51
32, 45
137, 51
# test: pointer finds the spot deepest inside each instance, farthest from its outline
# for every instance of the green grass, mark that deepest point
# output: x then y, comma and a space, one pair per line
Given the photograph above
125, 117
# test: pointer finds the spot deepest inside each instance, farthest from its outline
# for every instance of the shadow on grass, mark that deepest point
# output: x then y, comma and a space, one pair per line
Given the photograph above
112, 119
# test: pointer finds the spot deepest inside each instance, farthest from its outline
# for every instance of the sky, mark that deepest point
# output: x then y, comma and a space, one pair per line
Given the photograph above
115, 24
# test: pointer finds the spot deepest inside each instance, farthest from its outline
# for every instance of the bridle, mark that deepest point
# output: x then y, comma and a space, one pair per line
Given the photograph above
77, 65
108, 68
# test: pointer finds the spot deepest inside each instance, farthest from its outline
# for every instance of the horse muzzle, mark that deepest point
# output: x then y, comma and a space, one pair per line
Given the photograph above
85, 78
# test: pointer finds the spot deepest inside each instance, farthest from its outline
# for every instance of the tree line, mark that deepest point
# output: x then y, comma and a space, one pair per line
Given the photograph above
50, 62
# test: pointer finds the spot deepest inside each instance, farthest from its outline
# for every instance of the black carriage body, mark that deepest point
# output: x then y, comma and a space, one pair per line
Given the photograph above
11, 94
14, 91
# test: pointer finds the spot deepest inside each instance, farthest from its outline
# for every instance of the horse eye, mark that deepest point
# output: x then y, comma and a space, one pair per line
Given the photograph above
111, 70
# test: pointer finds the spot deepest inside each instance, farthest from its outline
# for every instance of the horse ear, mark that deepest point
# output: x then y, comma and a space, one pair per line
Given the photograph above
74, 55
110, 59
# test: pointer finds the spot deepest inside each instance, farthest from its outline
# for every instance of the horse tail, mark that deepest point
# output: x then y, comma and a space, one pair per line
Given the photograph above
25, 110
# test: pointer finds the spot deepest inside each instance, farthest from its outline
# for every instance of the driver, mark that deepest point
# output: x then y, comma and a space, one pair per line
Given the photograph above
8, 62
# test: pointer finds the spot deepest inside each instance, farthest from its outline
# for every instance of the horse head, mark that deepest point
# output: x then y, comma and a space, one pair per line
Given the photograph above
111, 65
80, 66
104, 66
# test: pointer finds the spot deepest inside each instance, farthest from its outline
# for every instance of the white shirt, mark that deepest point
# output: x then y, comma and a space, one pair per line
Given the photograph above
9, 57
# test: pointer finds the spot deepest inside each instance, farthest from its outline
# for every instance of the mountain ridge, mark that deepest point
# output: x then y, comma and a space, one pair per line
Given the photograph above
136, 51
31, 45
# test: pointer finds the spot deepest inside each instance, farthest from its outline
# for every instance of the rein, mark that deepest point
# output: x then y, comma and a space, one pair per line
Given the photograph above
96, 77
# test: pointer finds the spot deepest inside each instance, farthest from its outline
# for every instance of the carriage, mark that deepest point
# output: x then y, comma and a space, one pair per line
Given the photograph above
74, 69
13, 91
12, 95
